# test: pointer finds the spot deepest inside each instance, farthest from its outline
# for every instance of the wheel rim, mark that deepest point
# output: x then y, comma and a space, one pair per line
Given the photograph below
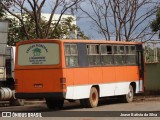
130, 93
94, 97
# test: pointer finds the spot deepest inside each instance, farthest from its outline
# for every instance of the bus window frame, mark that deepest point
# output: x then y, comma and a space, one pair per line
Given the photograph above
107, 51
89, 55
71, 55
119, 54
131, 54
103, 54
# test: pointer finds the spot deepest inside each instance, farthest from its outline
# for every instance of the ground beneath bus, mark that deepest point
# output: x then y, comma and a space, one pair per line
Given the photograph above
140, 104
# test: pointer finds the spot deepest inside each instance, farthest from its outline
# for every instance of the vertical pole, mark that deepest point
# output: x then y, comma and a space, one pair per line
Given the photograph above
156, 52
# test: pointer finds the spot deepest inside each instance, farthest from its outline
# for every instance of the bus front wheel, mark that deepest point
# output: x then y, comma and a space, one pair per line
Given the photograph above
54, 103
130, 95
93, 99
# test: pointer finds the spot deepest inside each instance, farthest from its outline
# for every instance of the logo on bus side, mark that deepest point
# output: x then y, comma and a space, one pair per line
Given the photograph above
36, 52
36, 46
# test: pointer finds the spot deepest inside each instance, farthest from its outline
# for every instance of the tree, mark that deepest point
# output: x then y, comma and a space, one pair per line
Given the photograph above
33, 11
121, 19
2, 12
155, 25
65, 30
30, 24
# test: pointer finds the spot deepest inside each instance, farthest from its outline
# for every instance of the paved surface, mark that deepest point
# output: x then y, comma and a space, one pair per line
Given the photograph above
140, 104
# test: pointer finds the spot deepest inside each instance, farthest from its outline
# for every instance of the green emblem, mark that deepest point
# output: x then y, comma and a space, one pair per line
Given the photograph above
36, 52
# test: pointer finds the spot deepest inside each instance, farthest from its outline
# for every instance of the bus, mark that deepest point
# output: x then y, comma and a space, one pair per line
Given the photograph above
84, 70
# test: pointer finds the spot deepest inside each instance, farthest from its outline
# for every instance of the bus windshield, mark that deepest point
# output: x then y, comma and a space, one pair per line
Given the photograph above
38, 54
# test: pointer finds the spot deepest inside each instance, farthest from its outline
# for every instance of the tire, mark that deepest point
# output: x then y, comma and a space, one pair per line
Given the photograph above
55, 104
93, 98
129, 97
17, 102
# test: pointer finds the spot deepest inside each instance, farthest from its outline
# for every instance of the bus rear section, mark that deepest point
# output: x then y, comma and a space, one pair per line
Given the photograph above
38, 72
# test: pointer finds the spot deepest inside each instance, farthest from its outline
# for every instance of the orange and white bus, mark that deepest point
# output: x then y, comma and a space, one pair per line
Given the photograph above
84, 70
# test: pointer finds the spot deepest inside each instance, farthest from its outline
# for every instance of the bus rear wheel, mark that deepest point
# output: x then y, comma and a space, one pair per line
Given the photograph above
129, 97
93, 98
54, 103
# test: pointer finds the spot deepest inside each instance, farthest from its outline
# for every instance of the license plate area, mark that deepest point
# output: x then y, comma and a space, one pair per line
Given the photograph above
38, 85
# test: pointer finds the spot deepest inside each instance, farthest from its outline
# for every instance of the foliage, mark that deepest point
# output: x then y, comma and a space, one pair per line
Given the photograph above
158, 51
150, 54
2, 12
30, 24
65, 30
155, 25
121, 19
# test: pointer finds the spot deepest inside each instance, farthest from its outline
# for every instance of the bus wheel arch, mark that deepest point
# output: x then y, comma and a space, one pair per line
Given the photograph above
133, 84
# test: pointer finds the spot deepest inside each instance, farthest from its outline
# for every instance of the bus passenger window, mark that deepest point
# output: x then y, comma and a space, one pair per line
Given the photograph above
119, 55
67, 49
127, 49
106, 49
131, 59
122, 50
132, 50
73, 49
103, 49
106, 55
130, 54
94, 55
71, 55
116, 50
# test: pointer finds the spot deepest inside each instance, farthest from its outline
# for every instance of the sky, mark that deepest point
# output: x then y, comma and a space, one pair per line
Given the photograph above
86, 24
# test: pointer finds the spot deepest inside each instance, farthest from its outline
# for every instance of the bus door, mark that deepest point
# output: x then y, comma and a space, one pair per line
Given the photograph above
140, 68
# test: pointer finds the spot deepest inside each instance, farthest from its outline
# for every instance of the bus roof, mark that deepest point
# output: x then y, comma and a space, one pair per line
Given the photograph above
78, 41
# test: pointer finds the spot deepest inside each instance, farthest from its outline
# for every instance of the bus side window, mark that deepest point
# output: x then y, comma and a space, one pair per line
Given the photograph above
119, 55
71, 55
130, 54
93, 54
106, 54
